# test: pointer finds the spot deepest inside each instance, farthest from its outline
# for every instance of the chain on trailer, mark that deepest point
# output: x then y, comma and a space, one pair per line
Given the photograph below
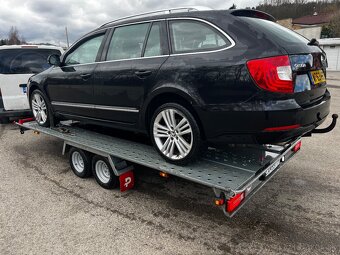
235, 174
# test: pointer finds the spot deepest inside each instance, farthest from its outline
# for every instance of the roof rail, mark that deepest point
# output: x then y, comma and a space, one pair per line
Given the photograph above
159, 12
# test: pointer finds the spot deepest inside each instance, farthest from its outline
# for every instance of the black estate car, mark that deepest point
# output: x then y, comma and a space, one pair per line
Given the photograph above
189, 78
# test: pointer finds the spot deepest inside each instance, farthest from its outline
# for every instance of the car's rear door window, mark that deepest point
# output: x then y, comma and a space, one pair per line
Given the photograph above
86, 52
25, 60
195, 36
127, 42
153, 45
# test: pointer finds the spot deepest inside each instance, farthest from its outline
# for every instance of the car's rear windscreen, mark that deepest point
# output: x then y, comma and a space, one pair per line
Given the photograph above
25, 61
281, 35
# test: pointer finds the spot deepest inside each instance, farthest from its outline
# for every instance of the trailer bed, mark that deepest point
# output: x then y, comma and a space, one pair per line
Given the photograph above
229, 171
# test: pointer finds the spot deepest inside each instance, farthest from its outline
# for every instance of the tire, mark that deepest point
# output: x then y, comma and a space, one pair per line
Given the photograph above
41, 109
4, 120
183, 144
103, 173
80, 162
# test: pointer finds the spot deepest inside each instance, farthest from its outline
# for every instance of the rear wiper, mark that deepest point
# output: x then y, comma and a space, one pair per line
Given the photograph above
313, 42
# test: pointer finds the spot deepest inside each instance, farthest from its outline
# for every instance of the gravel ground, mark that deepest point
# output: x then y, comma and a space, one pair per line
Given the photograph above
46, 209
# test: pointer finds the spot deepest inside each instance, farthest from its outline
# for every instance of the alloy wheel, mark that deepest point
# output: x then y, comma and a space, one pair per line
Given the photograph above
39, 109
173, 134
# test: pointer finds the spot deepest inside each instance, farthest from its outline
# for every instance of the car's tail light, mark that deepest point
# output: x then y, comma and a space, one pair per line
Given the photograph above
273, 74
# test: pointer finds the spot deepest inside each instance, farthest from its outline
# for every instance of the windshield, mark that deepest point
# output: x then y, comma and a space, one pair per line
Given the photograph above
276, 32
25, 61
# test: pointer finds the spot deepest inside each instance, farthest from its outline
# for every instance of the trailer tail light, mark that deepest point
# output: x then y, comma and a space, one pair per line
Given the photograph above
282, 128
297, 146
164, 174
234, 202
273, 74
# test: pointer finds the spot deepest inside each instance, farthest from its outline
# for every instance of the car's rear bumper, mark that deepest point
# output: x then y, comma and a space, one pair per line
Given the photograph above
250, 124
15, 113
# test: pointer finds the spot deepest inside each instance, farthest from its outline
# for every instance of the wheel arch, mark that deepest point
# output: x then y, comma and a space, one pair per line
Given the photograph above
31, 89
169, 96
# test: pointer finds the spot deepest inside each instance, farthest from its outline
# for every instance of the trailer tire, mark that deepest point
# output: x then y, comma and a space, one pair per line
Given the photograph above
80, 162
103, 173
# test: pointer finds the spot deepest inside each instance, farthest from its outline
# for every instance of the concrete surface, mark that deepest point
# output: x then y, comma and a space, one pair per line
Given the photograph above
46, 209
333, 77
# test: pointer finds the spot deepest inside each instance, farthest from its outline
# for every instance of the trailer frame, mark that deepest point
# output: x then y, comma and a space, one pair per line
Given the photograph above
235, 174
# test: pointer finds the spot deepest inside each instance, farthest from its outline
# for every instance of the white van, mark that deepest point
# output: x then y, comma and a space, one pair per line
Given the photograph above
17, 64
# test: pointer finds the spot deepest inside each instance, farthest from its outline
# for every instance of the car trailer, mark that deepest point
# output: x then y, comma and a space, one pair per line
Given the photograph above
235, 174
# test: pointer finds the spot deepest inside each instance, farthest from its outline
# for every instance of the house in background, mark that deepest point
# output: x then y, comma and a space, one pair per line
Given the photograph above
332, 48
310, 26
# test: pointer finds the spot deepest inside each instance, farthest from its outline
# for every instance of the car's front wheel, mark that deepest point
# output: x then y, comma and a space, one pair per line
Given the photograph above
39, 108
175, 134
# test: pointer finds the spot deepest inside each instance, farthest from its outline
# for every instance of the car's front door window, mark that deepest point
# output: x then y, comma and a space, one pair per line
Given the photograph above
86, 52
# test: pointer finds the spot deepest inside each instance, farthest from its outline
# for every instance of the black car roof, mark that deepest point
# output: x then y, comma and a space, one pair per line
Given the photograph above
209, 15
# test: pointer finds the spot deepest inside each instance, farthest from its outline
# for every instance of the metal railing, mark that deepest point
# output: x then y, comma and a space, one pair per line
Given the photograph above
159, 12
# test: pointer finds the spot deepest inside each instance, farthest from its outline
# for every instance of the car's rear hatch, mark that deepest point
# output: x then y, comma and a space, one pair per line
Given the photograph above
308, 62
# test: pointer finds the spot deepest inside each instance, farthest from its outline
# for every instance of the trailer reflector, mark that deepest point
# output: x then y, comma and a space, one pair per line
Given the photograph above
219, 201
234, 202
297, 146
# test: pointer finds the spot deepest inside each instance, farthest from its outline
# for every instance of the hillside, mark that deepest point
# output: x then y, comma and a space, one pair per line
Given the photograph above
282, 9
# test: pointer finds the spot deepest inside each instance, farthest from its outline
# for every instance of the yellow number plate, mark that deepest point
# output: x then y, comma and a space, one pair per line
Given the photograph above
318, 76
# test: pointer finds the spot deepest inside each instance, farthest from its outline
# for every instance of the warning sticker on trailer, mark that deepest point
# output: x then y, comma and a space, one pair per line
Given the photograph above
272, 168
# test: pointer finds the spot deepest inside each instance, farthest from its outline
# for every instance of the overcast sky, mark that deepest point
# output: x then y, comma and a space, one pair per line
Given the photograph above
45, 20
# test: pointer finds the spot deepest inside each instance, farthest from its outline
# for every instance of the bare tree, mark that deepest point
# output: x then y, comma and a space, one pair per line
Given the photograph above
13, 36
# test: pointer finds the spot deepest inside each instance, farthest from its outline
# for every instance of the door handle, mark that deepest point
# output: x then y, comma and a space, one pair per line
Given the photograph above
143, 74
85, 76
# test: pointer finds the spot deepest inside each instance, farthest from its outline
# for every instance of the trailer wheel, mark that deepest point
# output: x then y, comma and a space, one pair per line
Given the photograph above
80, 162
103, 173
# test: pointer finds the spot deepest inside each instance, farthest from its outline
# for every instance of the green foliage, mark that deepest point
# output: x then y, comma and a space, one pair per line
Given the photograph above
327, 32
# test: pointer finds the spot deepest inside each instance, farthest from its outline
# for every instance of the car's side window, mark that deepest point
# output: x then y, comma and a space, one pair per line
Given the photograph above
86, 52
195, 36
127, 42
153, 45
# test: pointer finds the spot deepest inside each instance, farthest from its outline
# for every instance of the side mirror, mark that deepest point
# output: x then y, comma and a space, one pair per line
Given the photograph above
54, 60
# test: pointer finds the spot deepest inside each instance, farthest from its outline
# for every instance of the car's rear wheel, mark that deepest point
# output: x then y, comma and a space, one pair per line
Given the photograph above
175, 134
39, 106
